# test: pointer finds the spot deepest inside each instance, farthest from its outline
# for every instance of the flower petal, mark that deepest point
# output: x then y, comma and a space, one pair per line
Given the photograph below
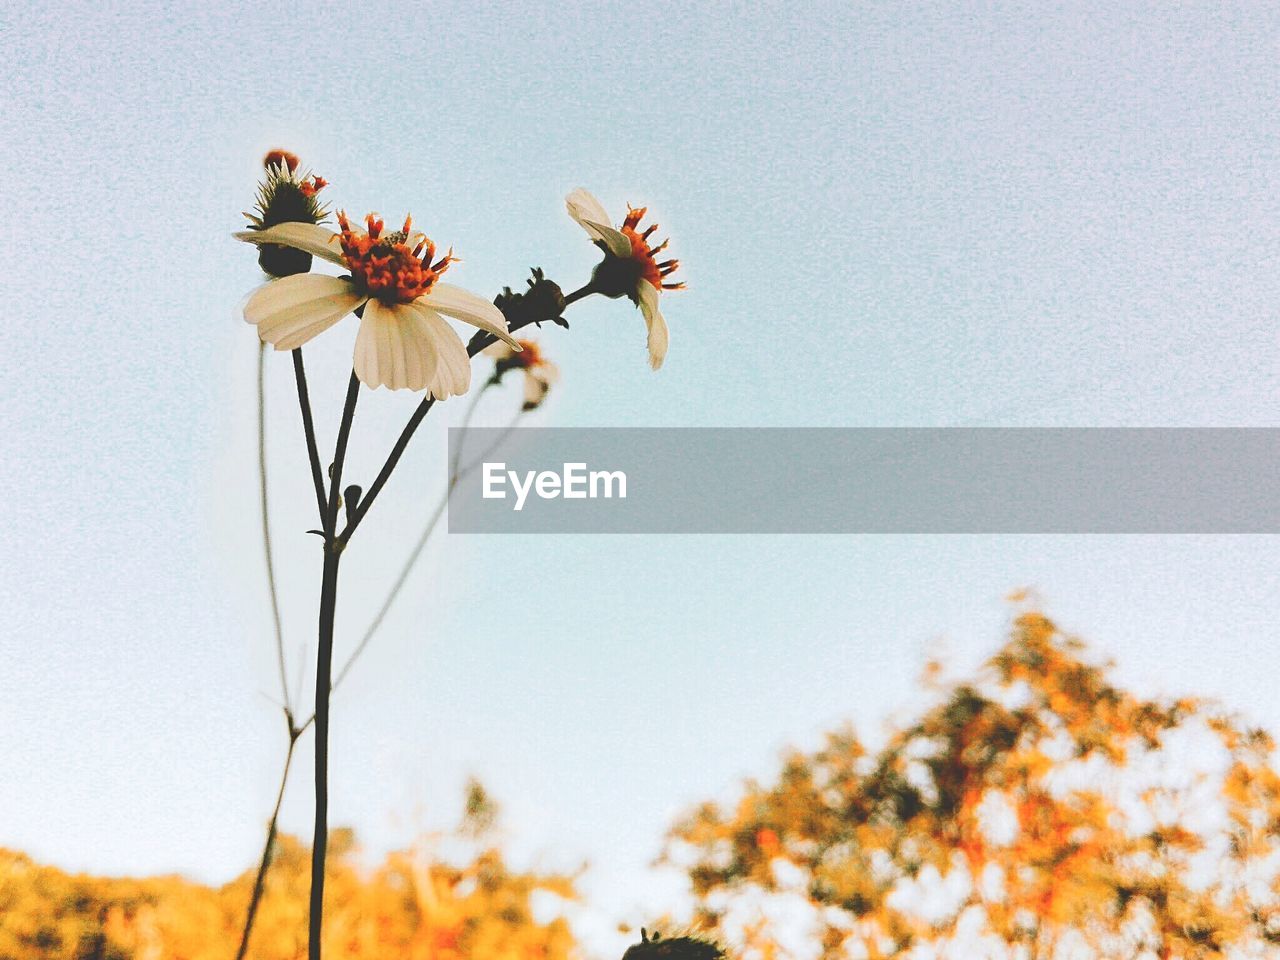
583, 205
534, 391
615, 240
394, 348
453, 370
469, 308
591, 215
658, 336
290, 311
311, 237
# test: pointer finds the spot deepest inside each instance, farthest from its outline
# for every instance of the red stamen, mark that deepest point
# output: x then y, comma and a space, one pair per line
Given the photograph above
643, 254
313, 186
388, 268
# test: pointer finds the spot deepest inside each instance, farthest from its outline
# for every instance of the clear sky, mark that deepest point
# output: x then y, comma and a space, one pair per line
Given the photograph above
889, 214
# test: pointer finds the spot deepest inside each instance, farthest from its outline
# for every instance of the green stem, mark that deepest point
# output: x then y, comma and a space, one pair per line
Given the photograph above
324, 669
334, 543
309, 428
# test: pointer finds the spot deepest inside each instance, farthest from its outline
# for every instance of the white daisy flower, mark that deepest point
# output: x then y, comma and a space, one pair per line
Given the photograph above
540, 374
631, 267
403, 341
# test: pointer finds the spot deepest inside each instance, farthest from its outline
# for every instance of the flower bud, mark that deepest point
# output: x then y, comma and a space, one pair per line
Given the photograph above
287, 195
543, 301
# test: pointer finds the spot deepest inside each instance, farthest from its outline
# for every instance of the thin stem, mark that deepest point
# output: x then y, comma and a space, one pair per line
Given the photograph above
412, 560
324, 667
478, 343
320, 836
466, 422
340, 452
328, 510
266, 529
394, 592
334, 543
259, 883
397, 451
498, 441
309, 428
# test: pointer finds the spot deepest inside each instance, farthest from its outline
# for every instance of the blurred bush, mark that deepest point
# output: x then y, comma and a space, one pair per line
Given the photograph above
415, 904
1038, 811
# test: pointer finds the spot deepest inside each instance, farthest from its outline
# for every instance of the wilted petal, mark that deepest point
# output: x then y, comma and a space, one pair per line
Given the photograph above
290, 311
658, 336
394, 348
311, 237
469, 308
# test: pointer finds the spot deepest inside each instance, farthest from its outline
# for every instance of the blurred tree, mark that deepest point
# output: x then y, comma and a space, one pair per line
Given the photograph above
1038, 813
451, 896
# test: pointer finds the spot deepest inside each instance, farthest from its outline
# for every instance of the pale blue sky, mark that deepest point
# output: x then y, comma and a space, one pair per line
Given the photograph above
889, 214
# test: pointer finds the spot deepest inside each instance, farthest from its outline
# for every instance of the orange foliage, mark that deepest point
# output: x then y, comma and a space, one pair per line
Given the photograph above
414, 906
1039, 811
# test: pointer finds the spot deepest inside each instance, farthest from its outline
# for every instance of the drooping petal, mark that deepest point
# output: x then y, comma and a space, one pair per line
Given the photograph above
469, 308
452, 376
590, 214
290, 311
311, 237
658, 335
394, 348
583, 205
616, 241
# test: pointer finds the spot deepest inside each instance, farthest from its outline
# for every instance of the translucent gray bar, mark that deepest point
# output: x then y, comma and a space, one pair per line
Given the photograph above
899, 480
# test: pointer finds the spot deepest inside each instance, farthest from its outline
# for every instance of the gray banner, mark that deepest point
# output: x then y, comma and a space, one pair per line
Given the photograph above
899, 480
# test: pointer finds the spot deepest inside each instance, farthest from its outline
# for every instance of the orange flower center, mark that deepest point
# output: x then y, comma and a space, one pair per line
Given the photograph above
395, 268
528, 357
645, 256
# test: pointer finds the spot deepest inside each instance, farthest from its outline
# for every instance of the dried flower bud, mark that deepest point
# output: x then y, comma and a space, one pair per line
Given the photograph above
543, 301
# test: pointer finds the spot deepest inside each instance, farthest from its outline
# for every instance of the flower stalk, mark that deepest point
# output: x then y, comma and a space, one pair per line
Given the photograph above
324, 671
334, 544
392, 284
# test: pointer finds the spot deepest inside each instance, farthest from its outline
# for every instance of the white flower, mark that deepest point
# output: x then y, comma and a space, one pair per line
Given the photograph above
641, 277
539, 372
403, 341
